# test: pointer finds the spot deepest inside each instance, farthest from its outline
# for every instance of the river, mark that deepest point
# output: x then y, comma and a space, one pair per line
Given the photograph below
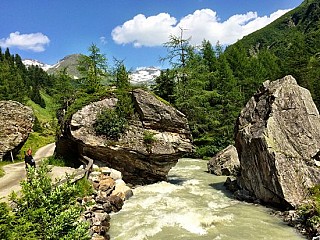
194, 205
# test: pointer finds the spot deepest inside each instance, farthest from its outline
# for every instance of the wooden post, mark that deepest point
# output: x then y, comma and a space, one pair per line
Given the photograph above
11, 156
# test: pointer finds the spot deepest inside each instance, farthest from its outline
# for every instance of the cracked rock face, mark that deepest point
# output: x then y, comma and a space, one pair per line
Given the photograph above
16, 122
140, 163
278, 141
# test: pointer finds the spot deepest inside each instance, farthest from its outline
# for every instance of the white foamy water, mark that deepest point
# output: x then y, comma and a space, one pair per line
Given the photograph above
194, 205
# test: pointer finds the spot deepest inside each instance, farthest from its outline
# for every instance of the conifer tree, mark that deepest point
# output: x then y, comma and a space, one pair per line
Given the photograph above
165, 85
93, 69
122, 76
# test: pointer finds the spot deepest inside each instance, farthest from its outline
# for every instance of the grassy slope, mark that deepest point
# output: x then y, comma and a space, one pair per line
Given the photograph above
48, 123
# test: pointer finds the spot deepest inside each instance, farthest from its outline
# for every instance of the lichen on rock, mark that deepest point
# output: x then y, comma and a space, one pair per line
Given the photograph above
16, 125
278, 140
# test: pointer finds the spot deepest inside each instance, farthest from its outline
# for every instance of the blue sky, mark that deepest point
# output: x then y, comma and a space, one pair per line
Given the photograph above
129, 30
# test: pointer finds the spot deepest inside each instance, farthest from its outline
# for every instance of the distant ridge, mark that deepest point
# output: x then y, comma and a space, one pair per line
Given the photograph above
140, 76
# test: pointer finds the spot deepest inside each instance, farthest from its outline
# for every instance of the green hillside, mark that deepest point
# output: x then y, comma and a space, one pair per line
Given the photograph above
295, 40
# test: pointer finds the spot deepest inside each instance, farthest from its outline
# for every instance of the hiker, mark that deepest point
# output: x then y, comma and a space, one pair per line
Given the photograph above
28, 159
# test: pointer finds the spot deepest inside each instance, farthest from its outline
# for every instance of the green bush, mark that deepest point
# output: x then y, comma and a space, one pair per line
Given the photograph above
5, 221
110, 124
84, 187
148, 139
124, 106
46, 211
310, 212
206, 151
52, 160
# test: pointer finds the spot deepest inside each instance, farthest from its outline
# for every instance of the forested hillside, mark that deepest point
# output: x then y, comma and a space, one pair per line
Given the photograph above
295, 40
20, 83
211, 86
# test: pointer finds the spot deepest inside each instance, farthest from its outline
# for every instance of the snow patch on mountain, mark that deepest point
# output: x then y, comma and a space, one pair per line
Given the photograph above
32, 62
144, 75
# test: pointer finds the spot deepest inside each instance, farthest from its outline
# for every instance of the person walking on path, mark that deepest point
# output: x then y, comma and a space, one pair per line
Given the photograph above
28, 159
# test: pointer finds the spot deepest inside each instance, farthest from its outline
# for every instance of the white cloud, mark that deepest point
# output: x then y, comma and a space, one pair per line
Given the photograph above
103, 40
142, 31
33, 41
202, 24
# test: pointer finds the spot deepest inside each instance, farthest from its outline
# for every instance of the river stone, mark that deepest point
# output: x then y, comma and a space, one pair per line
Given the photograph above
140, 163
123, 191
116, 203
99, 217
115, 174
16, 125
226, 162
106, 184
277, 137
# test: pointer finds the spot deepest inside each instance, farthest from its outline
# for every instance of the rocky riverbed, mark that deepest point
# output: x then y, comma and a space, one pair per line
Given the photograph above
110, 192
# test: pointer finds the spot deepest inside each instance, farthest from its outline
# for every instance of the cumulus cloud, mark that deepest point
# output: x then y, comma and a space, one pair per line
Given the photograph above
202, 24
145, 31
33, 41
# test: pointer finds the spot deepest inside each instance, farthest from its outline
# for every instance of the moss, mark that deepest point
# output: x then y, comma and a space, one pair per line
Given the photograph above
149, 139
161, 99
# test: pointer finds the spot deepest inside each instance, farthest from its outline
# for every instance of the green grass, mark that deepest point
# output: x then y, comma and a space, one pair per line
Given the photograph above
57, 161
47, 123
35, 141
46, 116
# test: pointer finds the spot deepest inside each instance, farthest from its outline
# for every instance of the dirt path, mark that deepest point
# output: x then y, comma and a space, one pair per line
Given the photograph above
14, 173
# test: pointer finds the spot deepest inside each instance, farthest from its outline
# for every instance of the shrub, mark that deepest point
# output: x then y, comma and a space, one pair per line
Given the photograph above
148, 139
47, 211
52, 160
124, 106
310, 211
5, 221
84, 187
110, 124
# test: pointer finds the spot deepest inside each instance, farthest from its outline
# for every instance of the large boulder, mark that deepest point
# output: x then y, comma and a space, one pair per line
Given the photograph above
225, 162
139, 161
16, 124
277, 137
